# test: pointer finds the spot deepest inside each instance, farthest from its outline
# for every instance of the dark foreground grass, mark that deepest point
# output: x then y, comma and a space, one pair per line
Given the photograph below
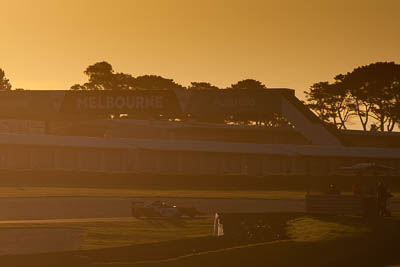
313, 241
98, 235
348, 252
103, 235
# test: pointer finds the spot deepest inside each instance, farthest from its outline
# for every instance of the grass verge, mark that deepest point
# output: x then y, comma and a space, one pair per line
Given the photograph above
97, 235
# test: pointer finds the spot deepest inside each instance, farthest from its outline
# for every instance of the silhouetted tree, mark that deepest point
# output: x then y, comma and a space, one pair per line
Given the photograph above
341, 103
101, 76
156, 82
5, 84
317, 98
78, 86
248, 84
122, 81
331, 102
371, 91
375, 91
202, 86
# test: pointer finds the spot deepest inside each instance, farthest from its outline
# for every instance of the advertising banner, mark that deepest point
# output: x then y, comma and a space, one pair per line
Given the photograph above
233, 102
49, 104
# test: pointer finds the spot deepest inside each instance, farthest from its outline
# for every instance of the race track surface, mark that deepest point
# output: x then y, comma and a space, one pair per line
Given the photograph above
95, 207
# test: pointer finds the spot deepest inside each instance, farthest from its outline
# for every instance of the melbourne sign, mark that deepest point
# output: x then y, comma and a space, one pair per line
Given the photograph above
155, 101
119, 102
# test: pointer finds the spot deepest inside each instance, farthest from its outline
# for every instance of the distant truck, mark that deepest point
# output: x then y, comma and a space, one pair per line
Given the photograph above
161, 209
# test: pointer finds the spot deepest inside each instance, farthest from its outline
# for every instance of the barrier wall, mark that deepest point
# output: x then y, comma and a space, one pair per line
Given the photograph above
25, 157
36, 157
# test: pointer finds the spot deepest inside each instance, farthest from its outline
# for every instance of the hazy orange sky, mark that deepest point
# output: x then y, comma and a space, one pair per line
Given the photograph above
46, 44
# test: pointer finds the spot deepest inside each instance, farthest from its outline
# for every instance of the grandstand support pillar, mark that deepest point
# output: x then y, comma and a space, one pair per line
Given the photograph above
223, 165
291, 165
243, 164
180, 162
220, 165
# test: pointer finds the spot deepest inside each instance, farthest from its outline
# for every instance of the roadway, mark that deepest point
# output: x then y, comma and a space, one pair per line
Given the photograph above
44, 208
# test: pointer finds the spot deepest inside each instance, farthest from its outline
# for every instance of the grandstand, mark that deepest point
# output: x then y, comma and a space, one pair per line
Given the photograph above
79, 134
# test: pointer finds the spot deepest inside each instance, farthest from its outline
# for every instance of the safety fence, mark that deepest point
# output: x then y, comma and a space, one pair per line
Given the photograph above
347, 205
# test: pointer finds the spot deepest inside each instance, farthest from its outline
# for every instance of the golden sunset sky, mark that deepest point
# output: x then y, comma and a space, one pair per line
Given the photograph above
46, 44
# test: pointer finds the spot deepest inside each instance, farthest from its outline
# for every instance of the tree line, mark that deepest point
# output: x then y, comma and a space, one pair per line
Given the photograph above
369, 94
5, 84
101, 76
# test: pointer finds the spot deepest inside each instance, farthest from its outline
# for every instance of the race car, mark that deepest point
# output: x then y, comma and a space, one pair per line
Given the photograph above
161, 209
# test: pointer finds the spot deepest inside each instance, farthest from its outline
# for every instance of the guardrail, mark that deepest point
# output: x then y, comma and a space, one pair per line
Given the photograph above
346, 205
334, 204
